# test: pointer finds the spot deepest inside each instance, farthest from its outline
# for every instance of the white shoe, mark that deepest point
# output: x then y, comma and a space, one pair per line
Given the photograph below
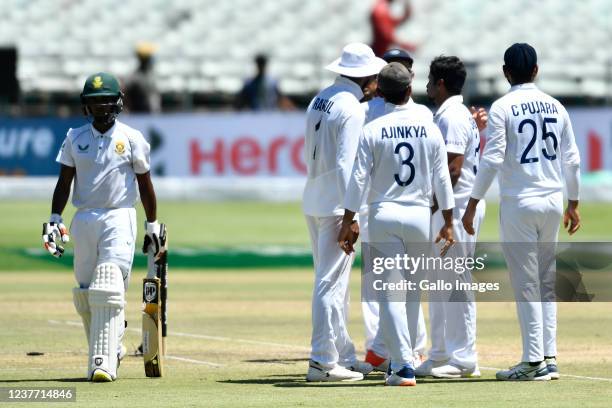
455, 371
551, 366
317, 372
403, 378
99, 375
361, 367
524, 372
426, 368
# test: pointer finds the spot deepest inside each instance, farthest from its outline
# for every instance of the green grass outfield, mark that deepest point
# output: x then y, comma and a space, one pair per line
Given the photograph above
239, 337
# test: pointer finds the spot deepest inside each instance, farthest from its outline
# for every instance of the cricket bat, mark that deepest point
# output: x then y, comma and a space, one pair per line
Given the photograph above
154, 316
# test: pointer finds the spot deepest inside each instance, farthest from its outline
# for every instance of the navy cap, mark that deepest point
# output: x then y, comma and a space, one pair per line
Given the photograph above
397, 54
520, 58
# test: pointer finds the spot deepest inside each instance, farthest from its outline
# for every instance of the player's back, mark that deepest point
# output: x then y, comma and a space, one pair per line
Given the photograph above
538, 138
406, 150
327, 115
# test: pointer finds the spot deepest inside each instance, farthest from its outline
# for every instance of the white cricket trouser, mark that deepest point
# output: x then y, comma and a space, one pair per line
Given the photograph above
104, 235
529, 229
370, 309
392, 228
453, 324
330, 343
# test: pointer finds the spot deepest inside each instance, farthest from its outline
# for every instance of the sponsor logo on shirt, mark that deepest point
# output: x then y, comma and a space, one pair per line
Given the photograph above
83, 149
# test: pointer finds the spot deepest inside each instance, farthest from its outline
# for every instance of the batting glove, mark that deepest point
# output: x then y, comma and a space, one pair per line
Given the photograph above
155, 239
53, 233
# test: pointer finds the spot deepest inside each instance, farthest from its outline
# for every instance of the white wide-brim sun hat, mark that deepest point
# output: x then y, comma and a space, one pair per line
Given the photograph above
357, 61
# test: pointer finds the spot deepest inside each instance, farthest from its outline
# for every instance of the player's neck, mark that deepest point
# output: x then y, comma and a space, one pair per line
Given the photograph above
103, 127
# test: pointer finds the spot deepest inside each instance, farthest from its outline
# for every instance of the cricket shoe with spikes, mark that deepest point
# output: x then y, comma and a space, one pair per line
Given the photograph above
100, 375
551, 366
377, 362
403, 378
320, 373
426, 368
455, 371
524, 372
362, 367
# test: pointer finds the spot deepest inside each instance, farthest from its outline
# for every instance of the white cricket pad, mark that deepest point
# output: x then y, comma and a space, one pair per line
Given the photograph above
80, 298
106, 301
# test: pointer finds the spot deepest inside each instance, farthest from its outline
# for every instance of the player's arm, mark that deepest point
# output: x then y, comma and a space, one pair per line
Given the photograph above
443, 191
571, 173
55, 231
347, 142
147, 196
492, 160
360, 175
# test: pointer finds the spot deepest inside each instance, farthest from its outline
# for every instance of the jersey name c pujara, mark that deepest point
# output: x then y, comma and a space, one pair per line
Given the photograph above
533, 107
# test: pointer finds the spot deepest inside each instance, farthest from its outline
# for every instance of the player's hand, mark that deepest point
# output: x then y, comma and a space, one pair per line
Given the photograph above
446, 234
468, 216
571, 217
480, 116
155, 239
349, 232
55, 232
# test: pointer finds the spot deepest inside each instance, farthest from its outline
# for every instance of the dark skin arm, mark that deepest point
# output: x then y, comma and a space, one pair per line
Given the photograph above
455, 162
62, 189
147, 196
349, 232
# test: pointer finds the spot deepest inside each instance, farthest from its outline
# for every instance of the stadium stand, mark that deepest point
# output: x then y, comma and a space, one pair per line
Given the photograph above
206, 46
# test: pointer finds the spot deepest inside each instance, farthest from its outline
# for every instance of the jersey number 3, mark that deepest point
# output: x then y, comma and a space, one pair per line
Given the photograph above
545, 135
405, 162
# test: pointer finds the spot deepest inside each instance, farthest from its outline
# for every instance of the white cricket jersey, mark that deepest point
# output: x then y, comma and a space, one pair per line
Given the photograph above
530, 139
403, 159
375, 108
334, 120
106, 165
461, 136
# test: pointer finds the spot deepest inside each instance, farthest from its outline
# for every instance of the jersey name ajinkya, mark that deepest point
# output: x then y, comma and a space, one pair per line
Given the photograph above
402, 132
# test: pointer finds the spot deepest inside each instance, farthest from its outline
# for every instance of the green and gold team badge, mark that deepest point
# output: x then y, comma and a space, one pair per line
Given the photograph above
120, 147
97, 82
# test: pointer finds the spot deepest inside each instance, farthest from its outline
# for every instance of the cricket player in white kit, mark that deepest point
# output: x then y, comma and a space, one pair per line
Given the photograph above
453, 324
531, 144
334, 120
402, 158
106, 159
376, 352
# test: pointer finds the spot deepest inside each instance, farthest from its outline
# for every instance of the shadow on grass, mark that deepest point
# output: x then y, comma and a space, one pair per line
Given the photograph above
68, 380
277, 360
376, 380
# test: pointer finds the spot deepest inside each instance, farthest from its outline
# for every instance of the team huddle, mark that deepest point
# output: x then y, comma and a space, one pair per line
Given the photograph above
384, 168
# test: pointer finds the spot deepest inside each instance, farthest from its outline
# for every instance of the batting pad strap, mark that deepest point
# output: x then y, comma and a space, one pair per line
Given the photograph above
80, 297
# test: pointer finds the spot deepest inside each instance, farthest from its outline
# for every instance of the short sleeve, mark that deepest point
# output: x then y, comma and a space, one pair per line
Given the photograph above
456, 137
64, 156
141, 153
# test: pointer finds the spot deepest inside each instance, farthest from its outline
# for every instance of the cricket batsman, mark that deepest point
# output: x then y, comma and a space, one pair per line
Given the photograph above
109, 164
531, 145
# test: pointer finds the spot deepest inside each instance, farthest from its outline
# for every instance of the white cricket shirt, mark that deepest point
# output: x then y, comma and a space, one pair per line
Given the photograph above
403, 159
106, 165
375, 108
461, 136
531, 141
334, 120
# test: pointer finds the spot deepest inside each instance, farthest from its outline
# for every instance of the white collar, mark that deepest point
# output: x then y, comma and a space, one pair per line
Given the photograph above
350, 86
390, 107
455, 99
109, 132
526, 85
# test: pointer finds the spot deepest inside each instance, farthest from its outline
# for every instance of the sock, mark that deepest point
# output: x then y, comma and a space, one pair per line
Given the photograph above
534, 363
547, 357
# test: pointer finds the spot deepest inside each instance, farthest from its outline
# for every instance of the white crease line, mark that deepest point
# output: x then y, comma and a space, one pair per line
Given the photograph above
581, 377
191, 360
188, 360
